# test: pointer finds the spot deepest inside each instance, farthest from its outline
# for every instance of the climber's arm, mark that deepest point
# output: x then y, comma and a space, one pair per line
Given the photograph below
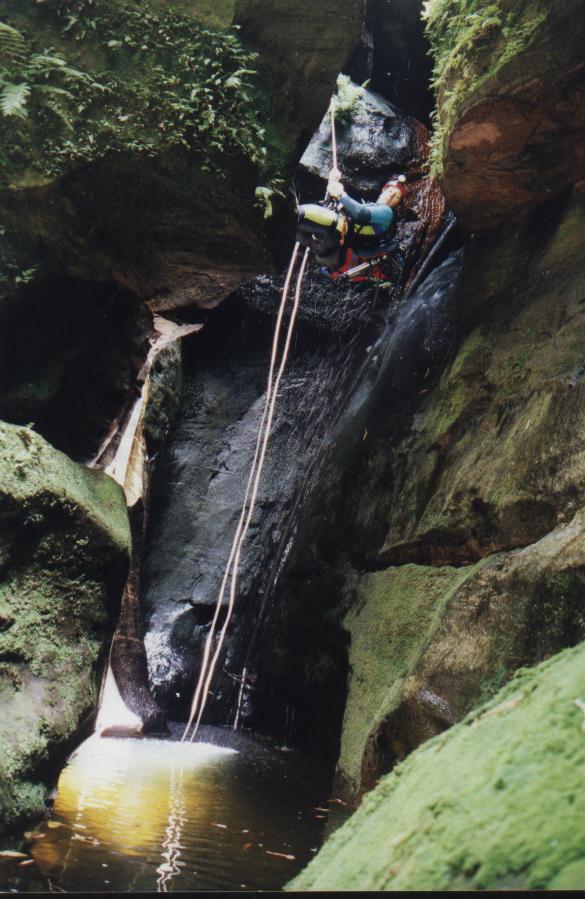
367, 213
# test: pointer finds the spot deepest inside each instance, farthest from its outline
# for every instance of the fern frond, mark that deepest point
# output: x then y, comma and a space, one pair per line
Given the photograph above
45, 64
13, 99
55, 91
12, 46
61, 114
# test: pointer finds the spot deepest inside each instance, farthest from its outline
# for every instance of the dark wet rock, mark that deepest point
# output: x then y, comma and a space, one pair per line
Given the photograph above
64, 549
199, 487
69, 356
374, 141
200, 481
315, 590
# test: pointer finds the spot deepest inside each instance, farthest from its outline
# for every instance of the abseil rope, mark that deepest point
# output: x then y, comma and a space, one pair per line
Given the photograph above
333, 137
241, 528
232, 567
266, 437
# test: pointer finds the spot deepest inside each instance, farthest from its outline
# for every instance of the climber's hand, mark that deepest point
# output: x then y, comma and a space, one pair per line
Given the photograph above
335, 188
335, 175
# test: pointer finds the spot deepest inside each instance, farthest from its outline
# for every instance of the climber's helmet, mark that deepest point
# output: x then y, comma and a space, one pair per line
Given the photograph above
393, 192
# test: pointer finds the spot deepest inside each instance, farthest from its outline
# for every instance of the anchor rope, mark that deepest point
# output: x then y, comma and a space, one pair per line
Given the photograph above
269, 391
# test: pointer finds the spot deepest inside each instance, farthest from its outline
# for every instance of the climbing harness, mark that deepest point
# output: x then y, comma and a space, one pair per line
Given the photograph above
272, 387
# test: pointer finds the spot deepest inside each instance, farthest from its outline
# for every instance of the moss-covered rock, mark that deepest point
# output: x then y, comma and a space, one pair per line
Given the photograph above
392, 617
429, 644
64, 552
510, 122
129, 106
495, 803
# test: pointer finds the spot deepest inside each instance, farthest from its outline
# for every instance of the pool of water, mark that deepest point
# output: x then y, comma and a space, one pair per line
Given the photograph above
157, 815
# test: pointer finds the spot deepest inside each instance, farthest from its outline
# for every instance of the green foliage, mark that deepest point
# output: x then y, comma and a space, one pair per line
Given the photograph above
119, 79
17, 261
36, 83
264, 196
346, 99
470, 41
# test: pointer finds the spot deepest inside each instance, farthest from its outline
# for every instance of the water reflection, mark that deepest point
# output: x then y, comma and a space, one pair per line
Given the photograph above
155, 815
171, 864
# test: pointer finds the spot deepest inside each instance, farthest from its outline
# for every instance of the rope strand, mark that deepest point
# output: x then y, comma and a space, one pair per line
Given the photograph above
333, 136
269, 389
266, 437
207, 668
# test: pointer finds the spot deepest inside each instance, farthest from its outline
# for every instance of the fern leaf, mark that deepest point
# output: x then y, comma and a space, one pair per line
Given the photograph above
45, 64
54, 91
13, 99
12, 45
61, 114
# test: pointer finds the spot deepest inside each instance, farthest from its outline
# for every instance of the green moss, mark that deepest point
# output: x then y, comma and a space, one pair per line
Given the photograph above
471, 41
445, 410
346, 99
494, 803
123, 78
476, 345
394, 617
65, 545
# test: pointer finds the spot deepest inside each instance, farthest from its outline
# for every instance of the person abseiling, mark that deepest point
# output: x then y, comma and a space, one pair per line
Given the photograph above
356, 233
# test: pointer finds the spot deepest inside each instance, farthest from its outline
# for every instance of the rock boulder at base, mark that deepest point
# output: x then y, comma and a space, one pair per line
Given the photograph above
496, 803
429, 644
64, 553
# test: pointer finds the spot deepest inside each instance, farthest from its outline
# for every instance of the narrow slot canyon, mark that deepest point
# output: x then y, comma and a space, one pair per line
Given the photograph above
394, 663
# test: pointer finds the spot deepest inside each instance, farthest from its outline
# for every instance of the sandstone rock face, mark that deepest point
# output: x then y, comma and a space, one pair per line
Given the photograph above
511, 122
495, 459
428, 644
303, 47
64, 550
462, 537
494, 804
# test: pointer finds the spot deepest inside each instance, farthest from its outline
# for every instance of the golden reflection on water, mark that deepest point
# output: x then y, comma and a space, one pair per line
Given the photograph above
154, 815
